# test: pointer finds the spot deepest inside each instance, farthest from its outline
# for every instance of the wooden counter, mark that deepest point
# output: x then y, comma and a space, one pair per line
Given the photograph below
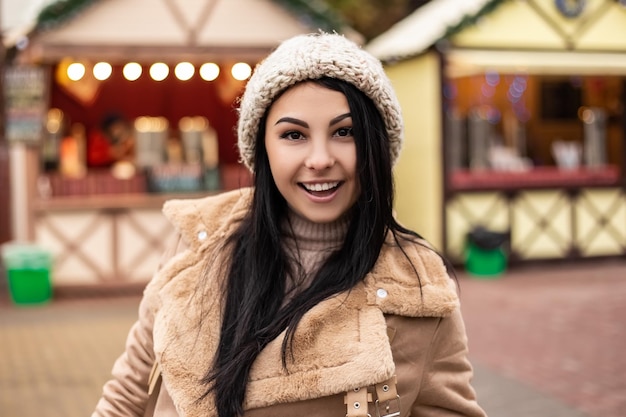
104, 241
105, 231
551, 214
112, 201
536, 178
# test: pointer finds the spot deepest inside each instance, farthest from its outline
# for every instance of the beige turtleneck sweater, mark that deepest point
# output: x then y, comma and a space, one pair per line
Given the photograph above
309, 244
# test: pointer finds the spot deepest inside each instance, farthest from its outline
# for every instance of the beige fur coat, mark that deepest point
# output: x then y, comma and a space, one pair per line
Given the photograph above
385, 326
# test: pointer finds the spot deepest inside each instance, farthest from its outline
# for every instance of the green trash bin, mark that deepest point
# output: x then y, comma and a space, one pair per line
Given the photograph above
486, 253
28, 273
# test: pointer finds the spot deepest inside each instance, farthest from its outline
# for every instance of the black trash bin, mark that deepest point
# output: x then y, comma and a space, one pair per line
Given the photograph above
486, 252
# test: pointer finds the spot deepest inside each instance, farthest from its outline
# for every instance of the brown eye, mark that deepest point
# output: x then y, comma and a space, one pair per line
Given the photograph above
292, 135
344, 132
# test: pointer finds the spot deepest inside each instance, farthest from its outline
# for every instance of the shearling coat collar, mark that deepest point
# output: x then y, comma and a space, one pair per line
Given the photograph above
340, 344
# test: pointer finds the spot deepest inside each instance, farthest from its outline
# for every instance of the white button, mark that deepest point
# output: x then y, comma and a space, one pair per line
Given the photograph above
202, 235
381, 293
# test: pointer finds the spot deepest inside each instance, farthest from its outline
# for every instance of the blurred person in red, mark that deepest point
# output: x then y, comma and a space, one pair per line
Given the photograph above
112, 142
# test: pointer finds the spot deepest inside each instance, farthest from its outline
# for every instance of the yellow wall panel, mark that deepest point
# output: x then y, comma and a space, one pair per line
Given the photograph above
608, 33
570, 27
418, 174
515, 24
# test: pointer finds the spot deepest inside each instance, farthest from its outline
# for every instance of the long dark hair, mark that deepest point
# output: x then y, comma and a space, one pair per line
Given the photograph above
259, 266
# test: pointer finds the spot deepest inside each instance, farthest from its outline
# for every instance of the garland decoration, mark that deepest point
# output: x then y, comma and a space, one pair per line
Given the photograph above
314, 13
60, 11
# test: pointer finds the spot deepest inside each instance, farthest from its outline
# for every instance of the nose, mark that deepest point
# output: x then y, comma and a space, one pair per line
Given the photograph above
320, 155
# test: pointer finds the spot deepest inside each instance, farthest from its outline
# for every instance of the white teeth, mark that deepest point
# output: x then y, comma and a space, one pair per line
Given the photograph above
321, 186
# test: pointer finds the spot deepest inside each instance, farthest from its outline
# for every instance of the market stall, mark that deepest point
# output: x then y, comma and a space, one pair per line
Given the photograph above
516, 123
129, 103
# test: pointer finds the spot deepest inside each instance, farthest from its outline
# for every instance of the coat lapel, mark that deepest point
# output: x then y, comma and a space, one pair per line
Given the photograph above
340, 344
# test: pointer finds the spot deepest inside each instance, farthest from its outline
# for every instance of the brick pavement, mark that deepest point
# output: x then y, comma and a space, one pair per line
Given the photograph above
558, 329
544, 343
54, 358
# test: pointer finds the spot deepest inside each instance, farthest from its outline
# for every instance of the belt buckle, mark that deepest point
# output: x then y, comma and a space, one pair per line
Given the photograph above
387, 413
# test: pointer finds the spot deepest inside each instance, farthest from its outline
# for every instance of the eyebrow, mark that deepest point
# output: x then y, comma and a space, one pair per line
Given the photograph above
292, 120
339, 118
304, 124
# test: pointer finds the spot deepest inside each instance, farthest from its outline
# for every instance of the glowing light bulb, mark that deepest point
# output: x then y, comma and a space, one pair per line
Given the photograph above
132, 71
102, 71
241, 71
209, 71
184, 71
75, 71
159, 71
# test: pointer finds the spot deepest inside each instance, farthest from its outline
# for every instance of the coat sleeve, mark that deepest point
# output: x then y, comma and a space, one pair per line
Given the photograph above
446, 385
126, 393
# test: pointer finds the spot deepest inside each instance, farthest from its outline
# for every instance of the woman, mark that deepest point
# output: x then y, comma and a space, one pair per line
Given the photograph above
302, 295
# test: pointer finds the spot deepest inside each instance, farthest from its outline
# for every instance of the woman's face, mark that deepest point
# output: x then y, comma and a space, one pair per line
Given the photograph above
311, 151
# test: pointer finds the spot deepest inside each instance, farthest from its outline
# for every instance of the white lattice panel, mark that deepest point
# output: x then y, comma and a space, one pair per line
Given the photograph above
541, 224
600, 222
81, 244
143, 235
103, 246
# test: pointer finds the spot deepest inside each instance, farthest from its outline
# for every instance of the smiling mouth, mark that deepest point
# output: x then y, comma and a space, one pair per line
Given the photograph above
321, 188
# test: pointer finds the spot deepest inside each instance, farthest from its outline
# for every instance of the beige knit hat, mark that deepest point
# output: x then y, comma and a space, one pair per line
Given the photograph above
314, 56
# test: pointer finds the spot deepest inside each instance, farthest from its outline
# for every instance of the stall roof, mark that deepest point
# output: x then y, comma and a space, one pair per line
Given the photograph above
531, 36
427, 25
17, 18
169, 29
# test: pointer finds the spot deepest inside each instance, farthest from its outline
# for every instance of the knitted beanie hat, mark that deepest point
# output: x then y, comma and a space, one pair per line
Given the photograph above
315, 56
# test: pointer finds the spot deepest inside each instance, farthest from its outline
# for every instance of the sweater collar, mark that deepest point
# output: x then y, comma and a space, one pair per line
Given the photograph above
311, 236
